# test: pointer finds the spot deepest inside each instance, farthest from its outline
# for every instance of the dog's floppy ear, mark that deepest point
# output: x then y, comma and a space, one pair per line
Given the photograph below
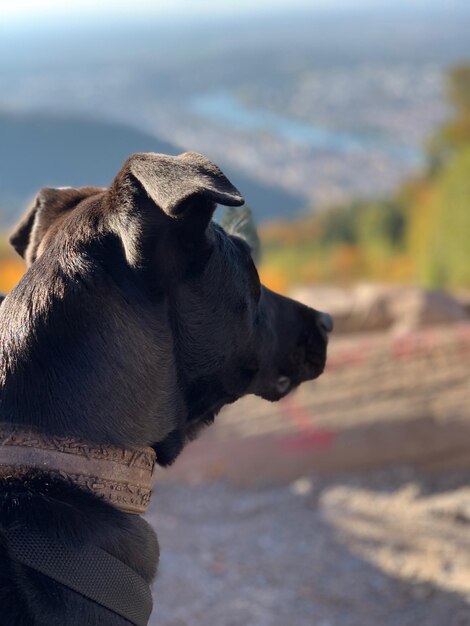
183, 184
49, 204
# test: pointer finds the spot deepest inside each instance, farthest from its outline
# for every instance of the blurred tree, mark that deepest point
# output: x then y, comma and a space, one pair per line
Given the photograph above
440, 227
455, 134
439, 215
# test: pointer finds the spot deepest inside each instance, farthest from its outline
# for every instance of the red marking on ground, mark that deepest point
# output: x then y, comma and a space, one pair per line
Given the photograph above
463, 335
319, 439
407, 346
352, 356
426, 340
308, 436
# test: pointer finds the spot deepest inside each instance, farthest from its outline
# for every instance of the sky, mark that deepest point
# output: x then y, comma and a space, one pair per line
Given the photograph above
19, 8
14, 10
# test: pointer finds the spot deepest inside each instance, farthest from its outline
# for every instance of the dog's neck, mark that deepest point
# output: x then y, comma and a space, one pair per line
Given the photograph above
121, 476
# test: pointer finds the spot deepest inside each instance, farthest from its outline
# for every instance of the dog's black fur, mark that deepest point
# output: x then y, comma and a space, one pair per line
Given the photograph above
137, 320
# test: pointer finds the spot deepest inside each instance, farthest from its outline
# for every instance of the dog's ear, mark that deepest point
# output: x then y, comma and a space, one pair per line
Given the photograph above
49, 204
186, 186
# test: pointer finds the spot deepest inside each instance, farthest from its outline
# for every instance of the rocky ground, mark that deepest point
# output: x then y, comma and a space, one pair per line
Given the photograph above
347, 504
390, 547
384, 399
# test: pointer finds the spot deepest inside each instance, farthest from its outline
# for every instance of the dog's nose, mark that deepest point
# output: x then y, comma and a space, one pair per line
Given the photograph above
325, 321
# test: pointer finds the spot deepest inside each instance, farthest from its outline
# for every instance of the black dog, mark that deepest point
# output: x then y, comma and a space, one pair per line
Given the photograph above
137, 320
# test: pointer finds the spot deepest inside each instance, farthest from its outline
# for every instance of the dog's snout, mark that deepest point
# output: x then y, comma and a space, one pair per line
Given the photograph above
325, 321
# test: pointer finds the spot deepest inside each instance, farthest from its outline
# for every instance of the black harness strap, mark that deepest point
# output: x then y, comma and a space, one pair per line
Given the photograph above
91, 571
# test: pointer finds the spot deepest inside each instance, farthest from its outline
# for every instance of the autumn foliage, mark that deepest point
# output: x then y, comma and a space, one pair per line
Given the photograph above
421, 234
11, 267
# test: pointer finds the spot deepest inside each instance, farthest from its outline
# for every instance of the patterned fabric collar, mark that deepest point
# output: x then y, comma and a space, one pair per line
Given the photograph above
120, 476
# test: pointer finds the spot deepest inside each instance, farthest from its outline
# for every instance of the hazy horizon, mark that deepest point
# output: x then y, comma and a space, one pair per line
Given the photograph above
305, 109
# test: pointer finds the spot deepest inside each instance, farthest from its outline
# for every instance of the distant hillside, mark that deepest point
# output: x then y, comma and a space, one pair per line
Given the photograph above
419, 234
42, 150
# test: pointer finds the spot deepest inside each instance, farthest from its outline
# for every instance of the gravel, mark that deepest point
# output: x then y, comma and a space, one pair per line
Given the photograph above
390, 547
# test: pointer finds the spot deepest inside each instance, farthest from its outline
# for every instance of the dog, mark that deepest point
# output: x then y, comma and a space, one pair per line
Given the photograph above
137, 320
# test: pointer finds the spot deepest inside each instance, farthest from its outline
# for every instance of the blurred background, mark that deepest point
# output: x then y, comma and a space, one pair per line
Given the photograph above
346, 126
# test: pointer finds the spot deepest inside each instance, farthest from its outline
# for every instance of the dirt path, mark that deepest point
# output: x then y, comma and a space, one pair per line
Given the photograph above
390, 548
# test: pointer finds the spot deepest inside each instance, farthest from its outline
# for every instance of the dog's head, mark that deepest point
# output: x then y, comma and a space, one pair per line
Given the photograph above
218, 333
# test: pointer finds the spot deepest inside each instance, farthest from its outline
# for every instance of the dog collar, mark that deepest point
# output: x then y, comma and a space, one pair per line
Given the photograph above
120, 476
